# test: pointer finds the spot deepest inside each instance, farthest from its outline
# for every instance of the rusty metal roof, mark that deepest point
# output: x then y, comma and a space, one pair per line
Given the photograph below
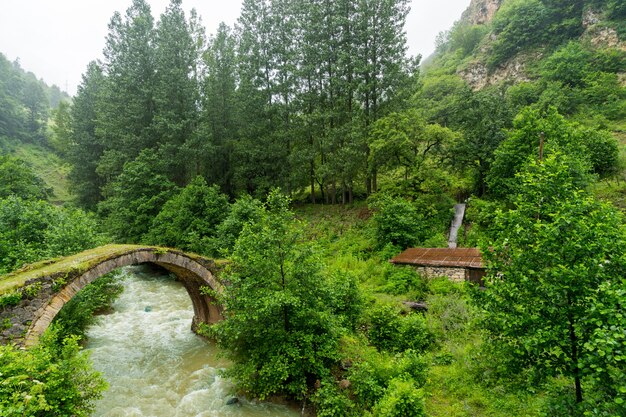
452, 257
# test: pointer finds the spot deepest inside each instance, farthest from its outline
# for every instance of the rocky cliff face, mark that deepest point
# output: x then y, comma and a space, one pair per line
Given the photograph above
478, 76
600, 35
481, 11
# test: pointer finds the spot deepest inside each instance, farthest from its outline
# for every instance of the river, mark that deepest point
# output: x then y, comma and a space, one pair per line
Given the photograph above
154, 364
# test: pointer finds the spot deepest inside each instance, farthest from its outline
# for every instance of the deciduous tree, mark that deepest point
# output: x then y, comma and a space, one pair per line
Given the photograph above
554, 253
278, 331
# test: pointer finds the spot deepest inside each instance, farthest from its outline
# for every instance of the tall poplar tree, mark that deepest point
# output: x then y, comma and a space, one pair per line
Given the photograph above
125, 119
86, 148
176, 92
260, 157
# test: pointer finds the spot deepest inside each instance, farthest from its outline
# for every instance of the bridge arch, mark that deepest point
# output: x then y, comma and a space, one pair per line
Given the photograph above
193, 271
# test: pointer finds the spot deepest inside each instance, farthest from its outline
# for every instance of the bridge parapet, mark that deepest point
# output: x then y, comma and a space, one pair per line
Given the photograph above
31, 298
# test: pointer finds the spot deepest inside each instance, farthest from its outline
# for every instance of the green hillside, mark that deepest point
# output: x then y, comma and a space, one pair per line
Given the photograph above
49, 167
30, 112
504, 56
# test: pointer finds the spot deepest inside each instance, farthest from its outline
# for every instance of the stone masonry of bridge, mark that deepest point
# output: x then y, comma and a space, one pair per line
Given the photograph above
46, 287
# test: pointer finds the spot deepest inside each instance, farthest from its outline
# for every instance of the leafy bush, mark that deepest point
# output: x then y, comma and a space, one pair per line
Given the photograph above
344, 298
190, 219
397, 222
401, 399
73, 231
329, 401
18, 179
35, 230
48, 380
12, 298
412, 366
243, 211
390, 331
403, 280
369, 380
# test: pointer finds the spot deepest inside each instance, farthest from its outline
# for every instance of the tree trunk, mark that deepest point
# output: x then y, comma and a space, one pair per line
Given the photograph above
574, 355
312, 174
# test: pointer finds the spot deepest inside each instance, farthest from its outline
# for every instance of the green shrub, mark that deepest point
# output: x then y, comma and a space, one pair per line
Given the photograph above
48, 380
390, 331
397, 222
371, 372
344, 298
412, 366
17, 179
34, 230
329, 401
569, 65
369, 380
189, 220
403, 280
443, 286
32, 290
10, 299
401, 399
243, 211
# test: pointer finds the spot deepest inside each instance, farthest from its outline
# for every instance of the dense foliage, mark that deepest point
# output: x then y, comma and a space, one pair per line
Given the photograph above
48, 380
553, 253
18, 179
189, 219
34, 230
285, 100
280, 331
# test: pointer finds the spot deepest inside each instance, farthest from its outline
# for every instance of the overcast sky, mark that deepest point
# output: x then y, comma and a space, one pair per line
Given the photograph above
57, 39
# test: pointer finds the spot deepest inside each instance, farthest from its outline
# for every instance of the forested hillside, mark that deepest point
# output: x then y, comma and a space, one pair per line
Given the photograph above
31, 114
307, 148
26, 104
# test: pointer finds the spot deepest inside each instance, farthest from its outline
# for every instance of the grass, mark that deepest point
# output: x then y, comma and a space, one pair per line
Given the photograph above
49, 167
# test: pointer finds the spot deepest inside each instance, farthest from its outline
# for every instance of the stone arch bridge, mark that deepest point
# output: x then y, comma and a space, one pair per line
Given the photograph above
31, 297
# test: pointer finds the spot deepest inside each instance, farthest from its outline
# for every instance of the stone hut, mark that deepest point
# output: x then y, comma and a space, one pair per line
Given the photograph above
458, 264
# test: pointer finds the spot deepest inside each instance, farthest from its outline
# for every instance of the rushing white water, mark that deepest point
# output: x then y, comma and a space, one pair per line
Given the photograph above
154, 364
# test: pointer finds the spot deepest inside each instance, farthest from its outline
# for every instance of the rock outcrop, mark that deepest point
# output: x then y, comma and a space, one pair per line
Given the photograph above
480, 12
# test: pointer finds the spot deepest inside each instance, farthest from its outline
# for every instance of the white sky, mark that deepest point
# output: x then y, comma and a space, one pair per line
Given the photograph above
56, 39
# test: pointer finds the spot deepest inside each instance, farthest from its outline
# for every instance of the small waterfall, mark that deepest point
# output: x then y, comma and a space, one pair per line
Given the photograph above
457, 222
